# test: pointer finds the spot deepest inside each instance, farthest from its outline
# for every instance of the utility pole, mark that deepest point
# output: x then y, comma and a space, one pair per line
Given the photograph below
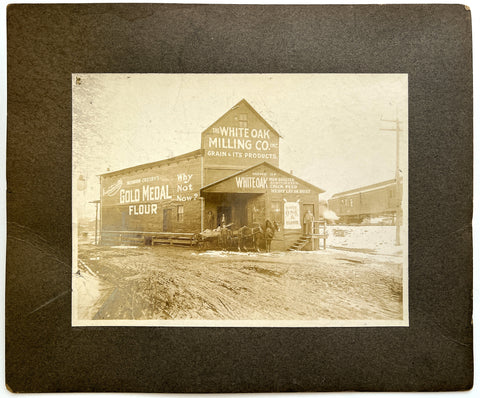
398, 191
96, 202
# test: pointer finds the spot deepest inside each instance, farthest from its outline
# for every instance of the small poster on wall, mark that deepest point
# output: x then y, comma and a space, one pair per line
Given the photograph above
292, 215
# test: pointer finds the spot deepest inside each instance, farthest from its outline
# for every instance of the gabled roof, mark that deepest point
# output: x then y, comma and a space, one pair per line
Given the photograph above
371, 187
198, 152
313, 187
245, 102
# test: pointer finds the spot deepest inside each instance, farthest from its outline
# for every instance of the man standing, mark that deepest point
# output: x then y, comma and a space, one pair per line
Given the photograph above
210, 220
307, 222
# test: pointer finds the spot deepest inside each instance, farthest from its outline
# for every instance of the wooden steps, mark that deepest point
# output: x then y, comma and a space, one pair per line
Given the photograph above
318, 231
300, 243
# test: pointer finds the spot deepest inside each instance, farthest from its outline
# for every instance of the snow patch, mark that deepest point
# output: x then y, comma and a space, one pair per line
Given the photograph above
221, 253
87, 287
371, 239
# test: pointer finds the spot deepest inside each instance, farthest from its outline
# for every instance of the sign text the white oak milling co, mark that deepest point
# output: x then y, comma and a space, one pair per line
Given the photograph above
246, 143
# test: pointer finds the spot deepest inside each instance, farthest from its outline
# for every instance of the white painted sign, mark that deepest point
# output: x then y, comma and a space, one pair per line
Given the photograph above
292, 215
113, 189
241, 142
146, 194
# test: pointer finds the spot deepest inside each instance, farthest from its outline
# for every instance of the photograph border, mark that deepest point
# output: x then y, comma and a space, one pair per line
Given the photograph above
76, 322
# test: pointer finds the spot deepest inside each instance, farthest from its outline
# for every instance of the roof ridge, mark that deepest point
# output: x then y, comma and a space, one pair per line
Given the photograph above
365, 187
243, 100
151, 164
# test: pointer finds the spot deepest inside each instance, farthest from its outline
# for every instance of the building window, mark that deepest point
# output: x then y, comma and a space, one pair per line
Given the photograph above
243, 120
276, 212
351, 202
180, 213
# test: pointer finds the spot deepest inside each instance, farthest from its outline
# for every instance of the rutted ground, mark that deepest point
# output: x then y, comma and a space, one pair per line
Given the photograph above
181, 283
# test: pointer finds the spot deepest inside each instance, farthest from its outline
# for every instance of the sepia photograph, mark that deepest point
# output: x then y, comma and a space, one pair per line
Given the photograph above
270, 200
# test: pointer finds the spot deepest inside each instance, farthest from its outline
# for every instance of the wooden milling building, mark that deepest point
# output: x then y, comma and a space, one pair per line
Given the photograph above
234, 174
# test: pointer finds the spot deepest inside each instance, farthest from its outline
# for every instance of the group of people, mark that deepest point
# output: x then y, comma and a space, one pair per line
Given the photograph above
308, 219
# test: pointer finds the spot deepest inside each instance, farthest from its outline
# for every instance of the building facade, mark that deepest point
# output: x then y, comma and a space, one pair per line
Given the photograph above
233, 176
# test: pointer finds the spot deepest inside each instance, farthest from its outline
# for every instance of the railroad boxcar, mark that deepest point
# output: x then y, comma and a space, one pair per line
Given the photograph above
359, 205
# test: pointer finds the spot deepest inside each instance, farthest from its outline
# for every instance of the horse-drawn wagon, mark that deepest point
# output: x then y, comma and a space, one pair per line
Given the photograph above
242, 239
220, 237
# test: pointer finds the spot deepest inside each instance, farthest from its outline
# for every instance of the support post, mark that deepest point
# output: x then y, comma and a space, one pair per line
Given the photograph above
96, 202
398, 198
324, 235
96, 223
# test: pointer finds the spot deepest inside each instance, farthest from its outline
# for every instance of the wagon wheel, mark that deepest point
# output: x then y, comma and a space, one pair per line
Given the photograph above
234, 242
223, 239
222, 242
227, 239
198, 241
195, 239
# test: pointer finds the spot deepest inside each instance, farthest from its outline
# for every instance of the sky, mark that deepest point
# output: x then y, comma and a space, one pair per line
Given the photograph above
331, 124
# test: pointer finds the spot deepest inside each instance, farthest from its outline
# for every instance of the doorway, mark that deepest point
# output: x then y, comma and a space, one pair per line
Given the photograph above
167, 220
241, 215
227, 212
307, 226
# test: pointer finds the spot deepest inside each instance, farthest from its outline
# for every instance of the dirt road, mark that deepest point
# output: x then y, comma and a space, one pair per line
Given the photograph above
181, 283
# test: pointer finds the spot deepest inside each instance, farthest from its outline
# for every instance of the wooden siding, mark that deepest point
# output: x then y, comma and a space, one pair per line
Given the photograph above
214, 174
239, 139
266, 190
148, 199
240, 182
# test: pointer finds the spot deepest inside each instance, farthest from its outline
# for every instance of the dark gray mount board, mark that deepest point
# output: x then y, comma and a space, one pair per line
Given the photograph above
47, 43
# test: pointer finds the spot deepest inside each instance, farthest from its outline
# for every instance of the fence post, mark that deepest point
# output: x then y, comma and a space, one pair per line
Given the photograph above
324, 234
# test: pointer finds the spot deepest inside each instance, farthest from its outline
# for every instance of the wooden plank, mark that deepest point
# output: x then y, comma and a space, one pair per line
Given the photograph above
150, 233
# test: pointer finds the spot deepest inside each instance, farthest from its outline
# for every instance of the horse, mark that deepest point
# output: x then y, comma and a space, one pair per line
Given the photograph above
246, 234
226, 236
270, 229
257, 234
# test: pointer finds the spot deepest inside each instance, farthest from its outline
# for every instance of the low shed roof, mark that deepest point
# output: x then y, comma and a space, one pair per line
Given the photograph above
188, 155
371, 187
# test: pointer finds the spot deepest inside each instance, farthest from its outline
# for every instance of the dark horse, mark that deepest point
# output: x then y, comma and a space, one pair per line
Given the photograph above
254, 235
270, 229
250, 235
